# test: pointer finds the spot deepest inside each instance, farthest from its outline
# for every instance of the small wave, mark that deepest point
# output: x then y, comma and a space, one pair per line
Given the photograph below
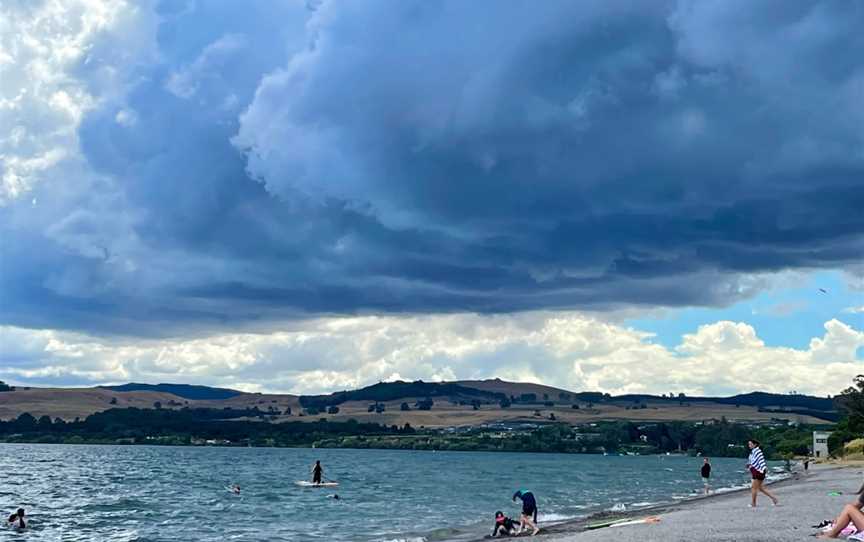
555, 517
729, 489
618, 507
644, 504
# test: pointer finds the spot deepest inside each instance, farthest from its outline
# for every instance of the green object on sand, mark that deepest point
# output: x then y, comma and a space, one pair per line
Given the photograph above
834, 493
604, 524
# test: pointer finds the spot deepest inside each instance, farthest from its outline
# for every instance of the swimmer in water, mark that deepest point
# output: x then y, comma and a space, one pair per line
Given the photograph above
16, 520
235, 489
529, 510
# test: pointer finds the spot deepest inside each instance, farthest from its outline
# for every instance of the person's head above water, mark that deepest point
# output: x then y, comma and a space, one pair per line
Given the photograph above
318, 462
18, 516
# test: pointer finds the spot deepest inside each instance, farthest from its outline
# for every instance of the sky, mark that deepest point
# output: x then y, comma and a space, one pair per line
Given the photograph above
308, 196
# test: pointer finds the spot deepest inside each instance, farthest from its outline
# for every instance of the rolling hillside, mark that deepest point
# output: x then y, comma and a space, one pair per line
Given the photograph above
443, 404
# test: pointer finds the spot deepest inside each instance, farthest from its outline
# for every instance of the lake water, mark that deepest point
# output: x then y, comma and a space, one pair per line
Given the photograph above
142, 493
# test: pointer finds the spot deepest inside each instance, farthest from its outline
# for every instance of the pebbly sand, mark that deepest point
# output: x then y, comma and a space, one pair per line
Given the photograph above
804, 501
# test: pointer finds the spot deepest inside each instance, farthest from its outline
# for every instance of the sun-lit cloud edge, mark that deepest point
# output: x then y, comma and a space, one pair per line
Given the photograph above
565, 349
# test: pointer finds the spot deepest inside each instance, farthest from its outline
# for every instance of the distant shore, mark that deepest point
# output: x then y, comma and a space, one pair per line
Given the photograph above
805, 500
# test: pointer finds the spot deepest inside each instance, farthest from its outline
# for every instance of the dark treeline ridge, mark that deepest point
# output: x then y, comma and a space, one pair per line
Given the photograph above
392, 391
186, 391
757, 399
184, 426
820, 407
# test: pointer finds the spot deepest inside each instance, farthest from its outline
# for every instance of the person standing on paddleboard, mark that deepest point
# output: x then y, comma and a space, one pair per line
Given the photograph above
529, 510
317, 471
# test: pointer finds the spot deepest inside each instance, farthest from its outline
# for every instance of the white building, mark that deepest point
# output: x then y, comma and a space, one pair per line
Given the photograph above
820, 443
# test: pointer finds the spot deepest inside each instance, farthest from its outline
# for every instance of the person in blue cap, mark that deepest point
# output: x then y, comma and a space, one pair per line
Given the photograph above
529, 510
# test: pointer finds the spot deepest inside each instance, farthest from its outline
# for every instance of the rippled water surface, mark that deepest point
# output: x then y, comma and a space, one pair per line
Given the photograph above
142, 493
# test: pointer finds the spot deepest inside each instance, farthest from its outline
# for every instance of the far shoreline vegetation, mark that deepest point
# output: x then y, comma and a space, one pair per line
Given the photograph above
189, 426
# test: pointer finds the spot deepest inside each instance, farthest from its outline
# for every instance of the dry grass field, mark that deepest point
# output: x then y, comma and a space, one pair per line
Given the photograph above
444, 414
71, 403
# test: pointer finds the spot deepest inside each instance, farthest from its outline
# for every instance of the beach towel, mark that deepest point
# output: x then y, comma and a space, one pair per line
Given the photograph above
850, 530
858, 537
757, 460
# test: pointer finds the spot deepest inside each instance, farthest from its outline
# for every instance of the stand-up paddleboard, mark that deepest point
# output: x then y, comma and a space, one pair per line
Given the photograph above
621, 522
650, 519
307, 483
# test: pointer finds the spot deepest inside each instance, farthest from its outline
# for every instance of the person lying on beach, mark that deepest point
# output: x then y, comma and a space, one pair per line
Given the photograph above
758, 468
529, 510
16, 520
505, 525
851, 513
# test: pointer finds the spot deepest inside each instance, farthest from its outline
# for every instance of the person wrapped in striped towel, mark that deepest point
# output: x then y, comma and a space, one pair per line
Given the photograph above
758, 468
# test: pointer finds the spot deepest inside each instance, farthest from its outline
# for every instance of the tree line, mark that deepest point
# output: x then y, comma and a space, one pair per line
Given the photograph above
184, 426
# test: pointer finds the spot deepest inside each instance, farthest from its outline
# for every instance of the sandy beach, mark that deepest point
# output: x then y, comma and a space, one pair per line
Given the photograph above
805, 500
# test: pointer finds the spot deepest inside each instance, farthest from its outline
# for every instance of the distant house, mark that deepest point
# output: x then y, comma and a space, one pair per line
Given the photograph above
820, 443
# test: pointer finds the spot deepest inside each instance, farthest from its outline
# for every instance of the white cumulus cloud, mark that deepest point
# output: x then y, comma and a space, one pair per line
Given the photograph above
565, 349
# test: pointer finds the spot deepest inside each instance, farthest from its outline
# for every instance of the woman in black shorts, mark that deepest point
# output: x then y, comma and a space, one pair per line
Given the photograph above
529, 510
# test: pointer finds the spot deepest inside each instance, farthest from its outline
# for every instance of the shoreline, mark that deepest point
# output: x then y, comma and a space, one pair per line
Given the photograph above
583, 524
805, 499
829, 474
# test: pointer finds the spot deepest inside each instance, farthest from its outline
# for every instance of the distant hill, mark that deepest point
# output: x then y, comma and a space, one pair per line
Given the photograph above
517, 389
430, 404
768, 400
186, 391
391, 391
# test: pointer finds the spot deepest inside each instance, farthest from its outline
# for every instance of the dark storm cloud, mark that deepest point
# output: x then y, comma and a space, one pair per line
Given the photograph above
358, 157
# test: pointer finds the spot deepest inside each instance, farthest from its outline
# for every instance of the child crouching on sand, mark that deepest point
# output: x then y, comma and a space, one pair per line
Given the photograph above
504, 526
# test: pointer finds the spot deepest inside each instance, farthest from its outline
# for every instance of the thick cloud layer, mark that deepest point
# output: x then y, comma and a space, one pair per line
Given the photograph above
177, 167
561, 349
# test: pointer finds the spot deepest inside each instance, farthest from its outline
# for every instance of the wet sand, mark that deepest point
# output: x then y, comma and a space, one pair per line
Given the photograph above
805, 500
